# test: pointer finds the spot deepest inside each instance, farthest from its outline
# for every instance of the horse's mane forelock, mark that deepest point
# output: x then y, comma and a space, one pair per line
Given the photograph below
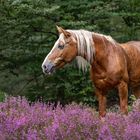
85, 45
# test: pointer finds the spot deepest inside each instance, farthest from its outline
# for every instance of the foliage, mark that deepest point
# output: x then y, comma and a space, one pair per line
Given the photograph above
27, 33
2, 96
19, 119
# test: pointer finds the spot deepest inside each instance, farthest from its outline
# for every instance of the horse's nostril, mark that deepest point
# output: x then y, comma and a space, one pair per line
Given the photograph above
44, 66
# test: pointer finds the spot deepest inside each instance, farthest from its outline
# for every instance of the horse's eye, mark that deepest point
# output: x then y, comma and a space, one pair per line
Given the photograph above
61, 46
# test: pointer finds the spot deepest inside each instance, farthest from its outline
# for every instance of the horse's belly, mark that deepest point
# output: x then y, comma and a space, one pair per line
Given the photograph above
134, 72
134, 76
132, 50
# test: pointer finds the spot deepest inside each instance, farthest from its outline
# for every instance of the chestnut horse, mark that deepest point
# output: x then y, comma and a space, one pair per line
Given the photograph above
112, 65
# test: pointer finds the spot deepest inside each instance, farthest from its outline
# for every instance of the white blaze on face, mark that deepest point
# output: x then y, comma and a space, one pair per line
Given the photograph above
61, 38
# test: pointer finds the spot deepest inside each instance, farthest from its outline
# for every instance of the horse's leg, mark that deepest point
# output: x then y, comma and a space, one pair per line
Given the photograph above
136, 92
102, 102
123, 94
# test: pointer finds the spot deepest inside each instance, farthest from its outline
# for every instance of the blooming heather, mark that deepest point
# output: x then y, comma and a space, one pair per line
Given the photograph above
21, 120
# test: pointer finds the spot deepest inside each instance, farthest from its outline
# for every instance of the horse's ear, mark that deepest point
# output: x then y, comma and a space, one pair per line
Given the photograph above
61, 30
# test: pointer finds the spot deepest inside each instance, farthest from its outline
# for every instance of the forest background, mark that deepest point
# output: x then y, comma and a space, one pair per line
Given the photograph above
28, 32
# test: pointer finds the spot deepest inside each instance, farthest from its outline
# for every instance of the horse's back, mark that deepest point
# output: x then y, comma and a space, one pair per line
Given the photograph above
132, 50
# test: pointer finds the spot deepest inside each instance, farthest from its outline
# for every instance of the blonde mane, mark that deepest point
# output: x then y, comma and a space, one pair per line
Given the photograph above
85, 45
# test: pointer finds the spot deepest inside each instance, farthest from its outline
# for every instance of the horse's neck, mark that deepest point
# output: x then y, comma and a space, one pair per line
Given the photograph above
98, 46
103, 47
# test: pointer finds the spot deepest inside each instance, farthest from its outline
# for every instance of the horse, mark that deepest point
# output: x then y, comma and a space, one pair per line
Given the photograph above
112, 65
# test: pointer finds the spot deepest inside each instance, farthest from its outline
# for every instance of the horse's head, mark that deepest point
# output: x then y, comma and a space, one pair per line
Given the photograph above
63, 52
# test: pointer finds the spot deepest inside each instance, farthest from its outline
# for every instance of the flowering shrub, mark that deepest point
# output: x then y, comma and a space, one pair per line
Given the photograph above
21, 120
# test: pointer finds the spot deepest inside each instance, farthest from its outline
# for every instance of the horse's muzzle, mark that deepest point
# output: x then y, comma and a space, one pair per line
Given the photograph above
48, 67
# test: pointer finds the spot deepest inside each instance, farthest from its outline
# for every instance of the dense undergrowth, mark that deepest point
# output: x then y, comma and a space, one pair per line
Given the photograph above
22, 120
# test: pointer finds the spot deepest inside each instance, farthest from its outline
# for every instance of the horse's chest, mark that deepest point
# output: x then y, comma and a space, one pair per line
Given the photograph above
102, 79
